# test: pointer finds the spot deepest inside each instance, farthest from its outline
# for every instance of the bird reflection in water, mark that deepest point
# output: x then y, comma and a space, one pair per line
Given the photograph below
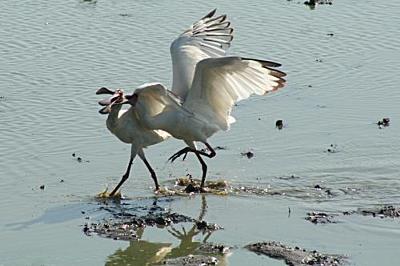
144, 252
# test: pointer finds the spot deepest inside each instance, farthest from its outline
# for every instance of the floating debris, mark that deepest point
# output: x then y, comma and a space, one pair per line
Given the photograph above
279, 124
320, 218
78, 158
248, 154
295, 256
385, 122
332, 149
313, 3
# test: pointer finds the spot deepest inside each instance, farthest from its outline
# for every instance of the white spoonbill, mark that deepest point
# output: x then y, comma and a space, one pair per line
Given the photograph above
206, 85
125, 125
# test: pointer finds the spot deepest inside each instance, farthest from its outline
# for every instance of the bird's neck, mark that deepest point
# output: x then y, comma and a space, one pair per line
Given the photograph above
113, 116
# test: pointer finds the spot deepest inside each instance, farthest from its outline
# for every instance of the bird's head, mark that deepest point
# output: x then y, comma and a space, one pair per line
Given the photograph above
117, 98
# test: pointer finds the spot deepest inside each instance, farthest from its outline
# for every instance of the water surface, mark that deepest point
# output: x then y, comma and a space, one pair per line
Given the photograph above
54, 55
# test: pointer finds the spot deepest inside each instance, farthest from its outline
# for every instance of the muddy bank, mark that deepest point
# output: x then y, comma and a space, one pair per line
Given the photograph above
124, 228
387, 211
191, 260
187, 186
295, 256
320, 218
205, 254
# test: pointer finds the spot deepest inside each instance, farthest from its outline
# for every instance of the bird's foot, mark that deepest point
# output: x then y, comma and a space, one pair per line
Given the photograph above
179, 154
107, 195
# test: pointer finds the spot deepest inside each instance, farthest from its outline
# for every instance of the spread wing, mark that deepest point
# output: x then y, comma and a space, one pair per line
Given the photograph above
221, 82
209, 37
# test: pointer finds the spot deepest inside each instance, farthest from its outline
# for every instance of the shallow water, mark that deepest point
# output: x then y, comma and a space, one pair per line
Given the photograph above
54, 55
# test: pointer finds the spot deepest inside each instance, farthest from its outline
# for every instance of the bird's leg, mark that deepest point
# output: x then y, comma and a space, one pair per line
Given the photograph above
124, 177
153, 174
212, 151
203, 167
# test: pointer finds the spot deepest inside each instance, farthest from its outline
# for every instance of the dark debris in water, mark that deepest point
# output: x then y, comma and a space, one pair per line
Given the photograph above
313, 3
295, 256
320, 218
247, 154
385, 122
79, 159
279, 124
333, 148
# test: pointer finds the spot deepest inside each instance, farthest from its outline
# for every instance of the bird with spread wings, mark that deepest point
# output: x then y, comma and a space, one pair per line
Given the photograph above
206, 85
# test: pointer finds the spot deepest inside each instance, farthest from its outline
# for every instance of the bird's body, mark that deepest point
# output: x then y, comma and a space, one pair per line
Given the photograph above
126, 126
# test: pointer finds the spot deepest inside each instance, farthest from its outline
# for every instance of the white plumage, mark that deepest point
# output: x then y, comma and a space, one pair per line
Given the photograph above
126, 126
206, 85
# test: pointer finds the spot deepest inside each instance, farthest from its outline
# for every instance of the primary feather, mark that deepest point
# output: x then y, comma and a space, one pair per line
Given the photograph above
209, 37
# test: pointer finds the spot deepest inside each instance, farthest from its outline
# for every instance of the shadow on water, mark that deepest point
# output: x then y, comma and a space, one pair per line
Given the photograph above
59, 214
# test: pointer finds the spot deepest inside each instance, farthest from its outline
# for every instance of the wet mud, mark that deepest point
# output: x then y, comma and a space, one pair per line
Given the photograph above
295, 255
206, 254
191, 260
320, 218
388, 211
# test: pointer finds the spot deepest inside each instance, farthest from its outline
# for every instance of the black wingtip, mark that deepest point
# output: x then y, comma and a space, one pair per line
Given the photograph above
209, 15
264, 63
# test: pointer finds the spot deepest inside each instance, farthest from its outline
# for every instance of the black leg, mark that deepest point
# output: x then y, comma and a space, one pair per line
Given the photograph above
153, 174
203, 167
124, 177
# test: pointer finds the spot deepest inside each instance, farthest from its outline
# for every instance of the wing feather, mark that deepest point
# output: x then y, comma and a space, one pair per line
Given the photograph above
209, 37
221, 82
